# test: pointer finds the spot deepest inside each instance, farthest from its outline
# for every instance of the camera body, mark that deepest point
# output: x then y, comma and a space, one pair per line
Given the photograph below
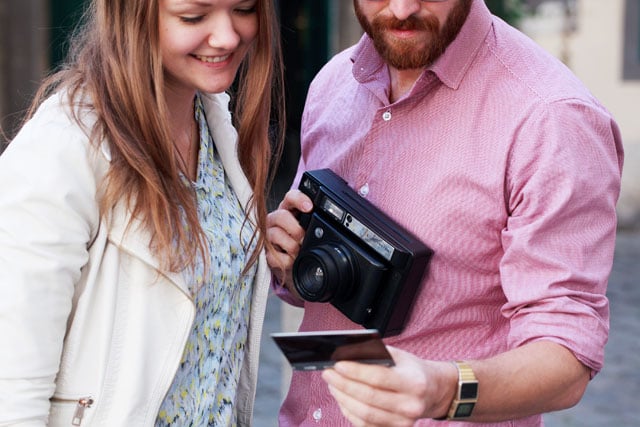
356, 257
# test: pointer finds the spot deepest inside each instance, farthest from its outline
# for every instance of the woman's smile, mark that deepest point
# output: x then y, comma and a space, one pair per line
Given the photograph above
213, 59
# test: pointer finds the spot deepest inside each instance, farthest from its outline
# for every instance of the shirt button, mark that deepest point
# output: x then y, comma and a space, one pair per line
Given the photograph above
386, 116
317, 415
364, 190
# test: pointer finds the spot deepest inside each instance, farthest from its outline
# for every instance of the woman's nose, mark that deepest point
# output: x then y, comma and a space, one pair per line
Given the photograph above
223, 34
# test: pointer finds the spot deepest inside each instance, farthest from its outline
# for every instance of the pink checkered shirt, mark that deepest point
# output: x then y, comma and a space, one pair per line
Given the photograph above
506, 166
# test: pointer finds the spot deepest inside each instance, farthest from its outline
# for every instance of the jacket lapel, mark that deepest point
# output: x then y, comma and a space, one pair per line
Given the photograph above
130, 235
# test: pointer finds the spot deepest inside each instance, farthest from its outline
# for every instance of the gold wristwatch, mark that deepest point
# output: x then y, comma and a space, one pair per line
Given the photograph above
467, 394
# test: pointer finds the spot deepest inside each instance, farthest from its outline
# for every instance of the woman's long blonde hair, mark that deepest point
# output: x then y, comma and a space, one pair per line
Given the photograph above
115, 64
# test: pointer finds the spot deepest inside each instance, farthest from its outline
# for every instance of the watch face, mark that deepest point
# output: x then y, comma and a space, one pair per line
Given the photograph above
468, 390
464, 410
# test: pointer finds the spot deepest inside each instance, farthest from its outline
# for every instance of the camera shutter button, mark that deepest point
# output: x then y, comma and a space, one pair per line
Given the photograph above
364, 190
318, 232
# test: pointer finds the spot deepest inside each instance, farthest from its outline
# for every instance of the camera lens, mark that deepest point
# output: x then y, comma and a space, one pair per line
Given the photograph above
324, 273
312, 274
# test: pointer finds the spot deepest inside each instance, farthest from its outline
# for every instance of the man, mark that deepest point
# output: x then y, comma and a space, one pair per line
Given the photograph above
496, 156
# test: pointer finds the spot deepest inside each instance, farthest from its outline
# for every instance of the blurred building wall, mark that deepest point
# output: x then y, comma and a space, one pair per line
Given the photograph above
23, 57
346, 30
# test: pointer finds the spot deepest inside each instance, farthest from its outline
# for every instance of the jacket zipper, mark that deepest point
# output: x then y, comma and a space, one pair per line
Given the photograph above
81, 405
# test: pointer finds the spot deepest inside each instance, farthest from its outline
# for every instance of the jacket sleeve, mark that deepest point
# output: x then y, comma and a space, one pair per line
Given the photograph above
48, 214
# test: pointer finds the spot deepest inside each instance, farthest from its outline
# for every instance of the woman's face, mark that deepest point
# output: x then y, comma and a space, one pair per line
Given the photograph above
203, 42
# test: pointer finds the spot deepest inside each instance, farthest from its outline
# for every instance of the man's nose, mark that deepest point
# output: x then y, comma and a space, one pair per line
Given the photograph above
402, 9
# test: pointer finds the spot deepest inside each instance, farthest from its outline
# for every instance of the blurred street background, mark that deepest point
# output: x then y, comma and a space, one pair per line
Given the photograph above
599, 40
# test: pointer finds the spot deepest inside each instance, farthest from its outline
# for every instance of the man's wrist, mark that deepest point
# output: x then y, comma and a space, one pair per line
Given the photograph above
449, 386
466, 394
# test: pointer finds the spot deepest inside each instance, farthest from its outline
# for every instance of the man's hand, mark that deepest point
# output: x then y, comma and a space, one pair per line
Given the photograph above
373, 395
286, 235
536, 378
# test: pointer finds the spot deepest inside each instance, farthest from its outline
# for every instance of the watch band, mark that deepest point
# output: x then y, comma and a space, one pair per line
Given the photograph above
467, 394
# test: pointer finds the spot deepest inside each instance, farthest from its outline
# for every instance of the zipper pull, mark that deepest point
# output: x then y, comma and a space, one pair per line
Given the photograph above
83, 404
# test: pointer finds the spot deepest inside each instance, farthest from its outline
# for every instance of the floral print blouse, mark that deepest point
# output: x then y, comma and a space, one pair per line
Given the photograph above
204, 389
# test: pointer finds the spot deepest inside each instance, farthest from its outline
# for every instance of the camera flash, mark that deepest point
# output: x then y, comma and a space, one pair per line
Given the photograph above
332, 209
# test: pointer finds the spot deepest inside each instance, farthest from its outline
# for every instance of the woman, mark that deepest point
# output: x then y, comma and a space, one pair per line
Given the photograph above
132, 214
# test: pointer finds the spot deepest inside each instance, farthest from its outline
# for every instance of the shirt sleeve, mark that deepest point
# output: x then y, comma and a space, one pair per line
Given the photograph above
283, 293
562, 184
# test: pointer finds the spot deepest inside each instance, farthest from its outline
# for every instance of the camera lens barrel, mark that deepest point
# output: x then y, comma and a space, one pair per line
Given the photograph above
325, 272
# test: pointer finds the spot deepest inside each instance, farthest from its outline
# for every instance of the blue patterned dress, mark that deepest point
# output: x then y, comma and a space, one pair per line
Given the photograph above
204, 389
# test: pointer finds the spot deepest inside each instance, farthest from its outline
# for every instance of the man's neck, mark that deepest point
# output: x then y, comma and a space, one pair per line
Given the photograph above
402, 81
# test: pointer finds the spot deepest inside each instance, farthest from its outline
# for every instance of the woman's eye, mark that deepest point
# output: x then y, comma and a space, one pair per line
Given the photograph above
246, 10
191, 19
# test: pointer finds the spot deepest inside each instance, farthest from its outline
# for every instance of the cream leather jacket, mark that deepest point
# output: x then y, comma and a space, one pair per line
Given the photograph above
92, 330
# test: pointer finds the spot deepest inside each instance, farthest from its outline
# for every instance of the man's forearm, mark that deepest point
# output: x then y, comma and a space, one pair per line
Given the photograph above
536, 378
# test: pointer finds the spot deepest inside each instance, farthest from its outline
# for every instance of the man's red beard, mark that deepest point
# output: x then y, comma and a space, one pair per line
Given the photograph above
415, 53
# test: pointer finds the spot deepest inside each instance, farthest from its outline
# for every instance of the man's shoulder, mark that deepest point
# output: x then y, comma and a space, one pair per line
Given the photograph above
526, 64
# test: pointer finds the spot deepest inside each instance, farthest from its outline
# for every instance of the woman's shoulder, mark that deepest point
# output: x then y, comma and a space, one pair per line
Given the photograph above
56, 118
59, 124
56, 144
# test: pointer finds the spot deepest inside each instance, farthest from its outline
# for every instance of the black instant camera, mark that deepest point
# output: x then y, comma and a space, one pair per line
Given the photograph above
356, 257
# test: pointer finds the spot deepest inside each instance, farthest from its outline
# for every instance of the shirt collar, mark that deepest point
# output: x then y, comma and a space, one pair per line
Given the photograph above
451, 67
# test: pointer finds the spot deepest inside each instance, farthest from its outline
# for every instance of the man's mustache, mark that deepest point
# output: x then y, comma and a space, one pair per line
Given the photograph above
410, 24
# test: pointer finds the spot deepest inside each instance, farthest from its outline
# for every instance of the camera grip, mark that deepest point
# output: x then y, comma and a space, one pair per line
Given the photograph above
304, 218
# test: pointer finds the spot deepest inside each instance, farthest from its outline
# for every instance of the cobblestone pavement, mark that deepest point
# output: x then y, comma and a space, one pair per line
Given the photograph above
611, 398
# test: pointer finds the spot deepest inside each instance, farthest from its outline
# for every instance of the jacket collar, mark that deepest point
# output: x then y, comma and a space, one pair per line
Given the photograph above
225, 138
